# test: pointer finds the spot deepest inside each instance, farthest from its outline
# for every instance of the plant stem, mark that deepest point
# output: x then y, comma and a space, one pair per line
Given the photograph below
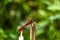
32, 31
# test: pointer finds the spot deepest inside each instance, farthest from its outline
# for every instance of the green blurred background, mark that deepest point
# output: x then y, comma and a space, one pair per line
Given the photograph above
14, 13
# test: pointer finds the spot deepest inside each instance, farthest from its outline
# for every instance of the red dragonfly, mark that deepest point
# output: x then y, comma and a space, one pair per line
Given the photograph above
29, 21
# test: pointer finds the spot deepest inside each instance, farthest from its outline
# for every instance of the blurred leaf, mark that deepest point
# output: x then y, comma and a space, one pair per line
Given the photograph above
2, 34
40, 27
42, 13
55, 6
26, 7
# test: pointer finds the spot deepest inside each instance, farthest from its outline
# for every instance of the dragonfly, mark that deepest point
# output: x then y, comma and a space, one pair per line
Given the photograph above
31, 18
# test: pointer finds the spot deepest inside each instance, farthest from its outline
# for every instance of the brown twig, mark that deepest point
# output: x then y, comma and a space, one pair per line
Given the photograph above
32, 31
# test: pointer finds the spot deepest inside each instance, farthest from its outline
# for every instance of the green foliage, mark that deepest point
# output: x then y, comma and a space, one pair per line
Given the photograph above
15, 13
